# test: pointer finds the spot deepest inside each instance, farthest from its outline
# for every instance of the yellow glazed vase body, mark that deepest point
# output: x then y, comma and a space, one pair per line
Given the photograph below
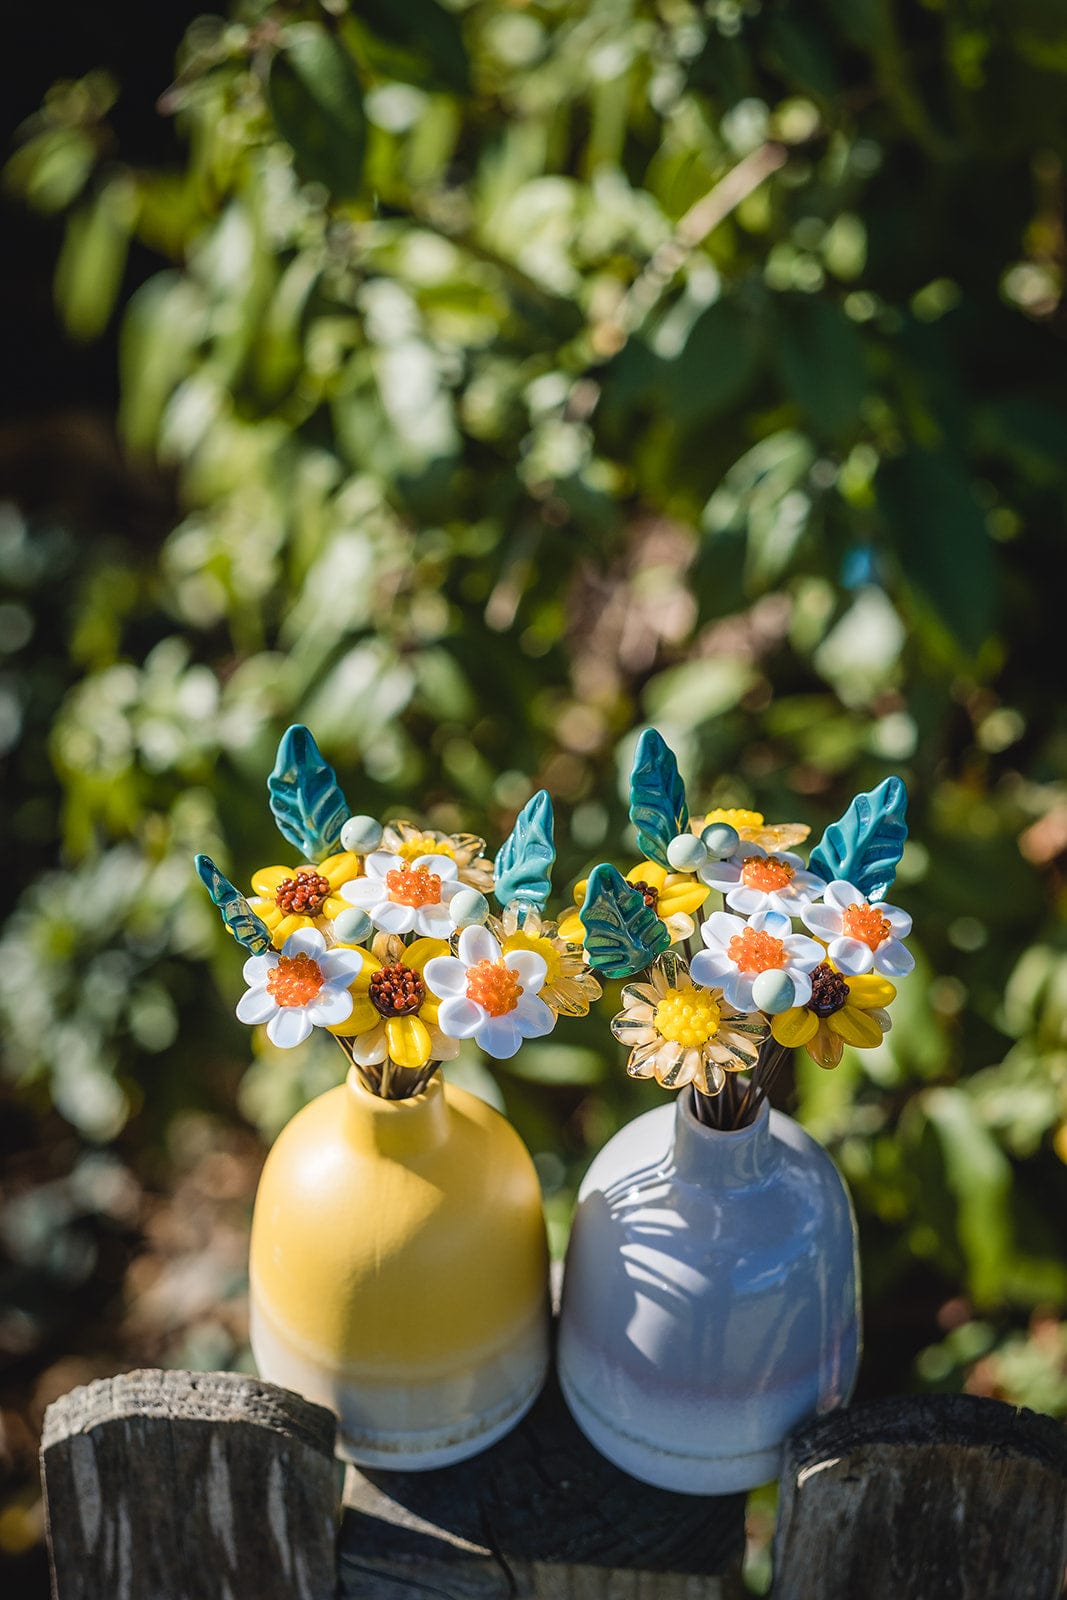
399, 1272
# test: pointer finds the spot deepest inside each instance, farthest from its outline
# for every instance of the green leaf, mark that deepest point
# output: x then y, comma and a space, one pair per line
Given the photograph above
941, 539
419, 42
248, 929
658, 808
864, 846
92, 261
622, 933
305, 797
317, 102
980, 1177
821, 363
523, 867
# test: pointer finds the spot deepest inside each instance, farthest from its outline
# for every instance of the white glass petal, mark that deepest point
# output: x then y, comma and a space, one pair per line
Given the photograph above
289, 1026
329, 1006
894, 959
305, 942
363, 892
256, 1006
841, 893
822, 919
532, 969
256, 968
851, 956
720, 928
533, 1017
341, 966
393, 918
499, 1037
459, 1017
445, 976
477, 944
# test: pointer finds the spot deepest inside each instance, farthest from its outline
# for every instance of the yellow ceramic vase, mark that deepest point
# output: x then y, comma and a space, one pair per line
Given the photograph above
399, 1272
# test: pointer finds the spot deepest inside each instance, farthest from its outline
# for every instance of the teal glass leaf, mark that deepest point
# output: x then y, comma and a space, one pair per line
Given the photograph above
868, 841
657, 797
622, 933
305, 797
237, 914
523, 867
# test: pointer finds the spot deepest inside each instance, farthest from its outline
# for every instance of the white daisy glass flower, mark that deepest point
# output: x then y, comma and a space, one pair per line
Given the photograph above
406, 896
753, 880
488, 996
300, 987
738, 951
860, 937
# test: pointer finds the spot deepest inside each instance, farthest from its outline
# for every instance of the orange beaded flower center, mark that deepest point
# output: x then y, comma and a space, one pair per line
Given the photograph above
413, 886
754, 951
493, 985
865, 923
766, 873
303, 894
397, 991
295, 981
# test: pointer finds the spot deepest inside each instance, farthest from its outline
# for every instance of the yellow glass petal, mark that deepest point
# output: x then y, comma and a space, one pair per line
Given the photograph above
409, 1042
341, 868
286, 926
795, 1026
422, 950
266, 910
572, 928
332, 907
267, 879
687, 896
855, 1027
361, 1019
647, 872
429, 1009
870, 991
826, 1048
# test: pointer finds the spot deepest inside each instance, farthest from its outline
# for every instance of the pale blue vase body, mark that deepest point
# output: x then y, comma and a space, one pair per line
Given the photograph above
710, 1298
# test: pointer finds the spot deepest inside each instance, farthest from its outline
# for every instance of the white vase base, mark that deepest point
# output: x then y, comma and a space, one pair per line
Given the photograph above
424, 1452
671, 1469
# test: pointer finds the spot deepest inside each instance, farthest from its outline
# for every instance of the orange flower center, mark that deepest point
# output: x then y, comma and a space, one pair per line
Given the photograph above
766, 873
413, 886
295, 981
303, 894
754, 951
493, 985
865, 923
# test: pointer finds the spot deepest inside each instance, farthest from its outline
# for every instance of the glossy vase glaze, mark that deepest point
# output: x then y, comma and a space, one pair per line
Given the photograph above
399, 1272
710, 1298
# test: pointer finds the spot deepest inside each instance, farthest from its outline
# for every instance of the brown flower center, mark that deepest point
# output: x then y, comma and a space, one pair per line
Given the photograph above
413, 886
756, 951
295, 981
397, 991
303, 894
493, 985
651, 896
865, 923
829, 991
766, 873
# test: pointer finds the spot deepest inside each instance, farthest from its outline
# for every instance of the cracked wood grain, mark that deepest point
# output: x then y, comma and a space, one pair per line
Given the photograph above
939, 1497
189, 1486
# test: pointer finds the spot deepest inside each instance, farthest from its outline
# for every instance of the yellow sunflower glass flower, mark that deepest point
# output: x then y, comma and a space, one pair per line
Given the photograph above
407, 840
570, 987
394, 1012
673, 896
753, 829
841, 1011
680, 1033
289, 898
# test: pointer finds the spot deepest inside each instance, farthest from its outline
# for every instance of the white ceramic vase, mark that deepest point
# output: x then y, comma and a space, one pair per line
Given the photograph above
710, 1298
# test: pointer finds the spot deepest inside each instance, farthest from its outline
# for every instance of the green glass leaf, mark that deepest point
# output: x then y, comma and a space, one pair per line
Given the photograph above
523, 865
657, 797
316, 99
868, 841
622, 933
308, 803
237, 914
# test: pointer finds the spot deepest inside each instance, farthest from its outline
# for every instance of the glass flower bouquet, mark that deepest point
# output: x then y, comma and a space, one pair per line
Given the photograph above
398, 1266
710, 1295
795, 955
384, 937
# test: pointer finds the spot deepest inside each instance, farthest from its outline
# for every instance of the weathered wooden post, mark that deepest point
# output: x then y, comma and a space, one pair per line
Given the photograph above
190, 1486
939, 1497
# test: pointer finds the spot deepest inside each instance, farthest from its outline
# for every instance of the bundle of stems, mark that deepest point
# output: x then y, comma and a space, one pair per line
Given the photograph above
387, 1080
739, 1101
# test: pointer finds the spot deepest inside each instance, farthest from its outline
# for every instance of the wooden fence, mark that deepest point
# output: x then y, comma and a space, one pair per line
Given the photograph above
216, 1486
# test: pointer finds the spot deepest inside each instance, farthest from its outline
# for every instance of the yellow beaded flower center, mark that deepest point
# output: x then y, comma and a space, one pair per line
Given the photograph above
295, 980
865, 923
411, 849
493, 985
735, 818
413, 886
753, 951
766, 873
688, 1017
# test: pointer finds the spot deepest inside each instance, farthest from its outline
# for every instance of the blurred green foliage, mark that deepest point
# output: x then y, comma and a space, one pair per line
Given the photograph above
531, 372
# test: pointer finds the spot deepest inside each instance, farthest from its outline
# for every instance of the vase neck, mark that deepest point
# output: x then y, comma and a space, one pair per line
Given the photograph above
396, 1127
730, 1160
